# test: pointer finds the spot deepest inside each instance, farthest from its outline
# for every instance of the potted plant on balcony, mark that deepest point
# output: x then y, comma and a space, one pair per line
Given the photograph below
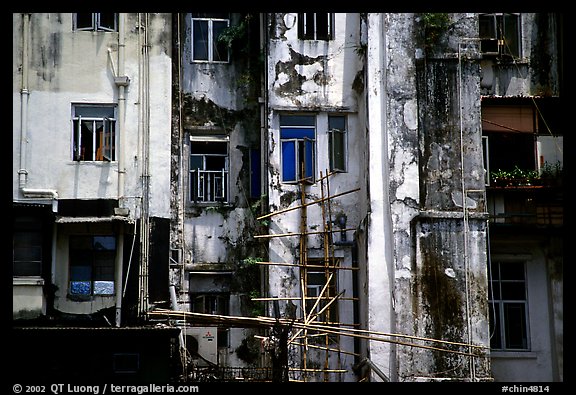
514, 178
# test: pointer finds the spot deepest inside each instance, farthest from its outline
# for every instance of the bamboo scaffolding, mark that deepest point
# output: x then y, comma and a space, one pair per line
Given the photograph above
295, 343
305, 204
263, 322
264, 299
329, 252
326, 273
308, 266
304, 260
303, 233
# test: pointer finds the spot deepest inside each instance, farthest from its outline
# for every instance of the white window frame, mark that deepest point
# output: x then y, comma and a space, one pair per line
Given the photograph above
193, 179
210, 39
96, 24
109, 136
332, 148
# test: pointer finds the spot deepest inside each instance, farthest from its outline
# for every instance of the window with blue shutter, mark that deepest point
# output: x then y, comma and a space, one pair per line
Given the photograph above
297, 139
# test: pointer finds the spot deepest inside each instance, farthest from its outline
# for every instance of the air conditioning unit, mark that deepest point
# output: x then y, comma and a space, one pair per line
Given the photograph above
202, 344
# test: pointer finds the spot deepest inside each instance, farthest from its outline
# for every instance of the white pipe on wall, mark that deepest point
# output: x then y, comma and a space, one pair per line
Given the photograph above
121, 169
24, 93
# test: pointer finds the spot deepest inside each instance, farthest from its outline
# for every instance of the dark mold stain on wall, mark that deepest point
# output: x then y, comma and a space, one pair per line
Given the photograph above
443, 295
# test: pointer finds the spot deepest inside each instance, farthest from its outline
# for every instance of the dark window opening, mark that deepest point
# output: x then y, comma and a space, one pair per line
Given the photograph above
500, 34
315, 26
96, 21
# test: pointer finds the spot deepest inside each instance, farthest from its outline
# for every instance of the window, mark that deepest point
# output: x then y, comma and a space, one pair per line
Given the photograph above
209, 170
94, 133
96, 21
210, 303
315, 26
27, 247
215, 303
324, 311
206, 29
92, 261
337, 142
508, 306
316, 280
500, 34
297, 138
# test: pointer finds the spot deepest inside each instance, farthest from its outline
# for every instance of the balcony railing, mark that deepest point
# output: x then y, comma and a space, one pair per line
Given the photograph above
209, 186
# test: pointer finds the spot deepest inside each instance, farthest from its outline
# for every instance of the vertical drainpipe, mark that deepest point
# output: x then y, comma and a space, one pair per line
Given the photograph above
380, 241
24, 94
121, 81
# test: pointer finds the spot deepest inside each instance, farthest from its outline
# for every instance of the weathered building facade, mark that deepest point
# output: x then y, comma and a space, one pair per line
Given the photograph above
335, 172
91, 168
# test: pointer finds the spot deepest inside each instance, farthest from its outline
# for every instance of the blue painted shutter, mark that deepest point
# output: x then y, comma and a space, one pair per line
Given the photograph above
289, 160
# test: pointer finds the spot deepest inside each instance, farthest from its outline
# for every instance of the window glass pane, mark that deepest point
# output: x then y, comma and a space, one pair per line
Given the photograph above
216, 163
108, 20
513, 291
296, 133
94, 111
105, 243
337, 122
109, 140
316, 278
515, 325
495, 338
308, 158
494, 290
104, 287
336, 142
200, 45
309, 26
511, 35
512, 271
288, 160
78, 272
196, 162
84, 20
220, 48
487, 28
80, 287
322, 26
297, 120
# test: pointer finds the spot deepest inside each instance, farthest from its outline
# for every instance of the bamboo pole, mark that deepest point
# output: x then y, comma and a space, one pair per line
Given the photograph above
305, 204
308, 266
269, 321
264, 299
303, 233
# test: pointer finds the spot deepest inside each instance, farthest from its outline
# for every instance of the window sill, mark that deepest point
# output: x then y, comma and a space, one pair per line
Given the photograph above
513, 354
32, 280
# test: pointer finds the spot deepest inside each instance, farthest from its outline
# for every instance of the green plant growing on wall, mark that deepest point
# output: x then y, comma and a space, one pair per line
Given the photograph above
248, 278
235, 34
435, 24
